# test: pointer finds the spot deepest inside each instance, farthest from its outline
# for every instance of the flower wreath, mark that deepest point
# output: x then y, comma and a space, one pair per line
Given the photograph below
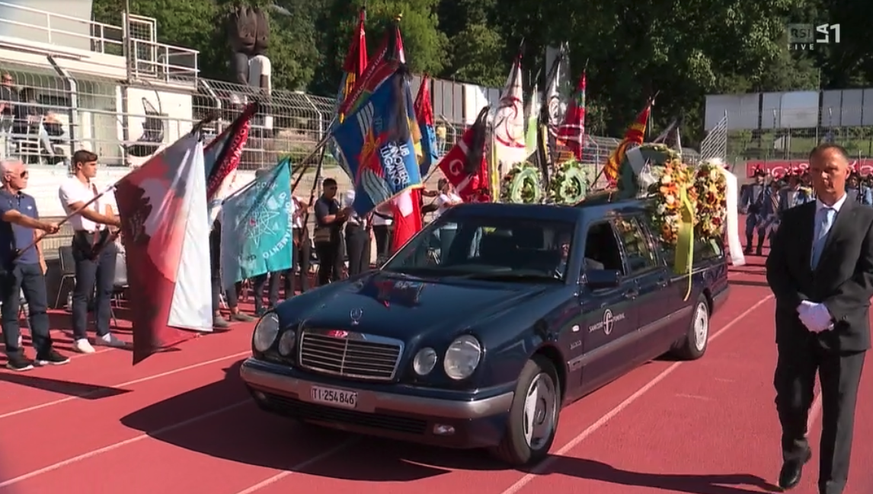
570, 183
672, 178
522, 185
710, 184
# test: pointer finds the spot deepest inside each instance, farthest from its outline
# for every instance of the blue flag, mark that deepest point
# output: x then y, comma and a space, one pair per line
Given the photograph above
256, 222
379, 145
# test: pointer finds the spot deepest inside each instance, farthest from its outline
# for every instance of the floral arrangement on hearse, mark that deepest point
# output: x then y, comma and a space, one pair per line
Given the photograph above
704, 189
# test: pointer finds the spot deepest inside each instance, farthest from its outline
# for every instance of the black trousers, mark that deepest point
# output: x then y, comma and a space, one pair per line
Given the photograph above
382, 234
95, 275
27, 278
358, 249
303, 260
840, 375
215, 258
330, 260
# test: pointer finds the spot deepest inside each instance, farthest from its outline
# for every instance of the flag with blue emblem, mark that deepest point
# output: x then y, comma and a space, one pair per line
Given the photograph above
353, 68
424, 117
378, 141
256, 235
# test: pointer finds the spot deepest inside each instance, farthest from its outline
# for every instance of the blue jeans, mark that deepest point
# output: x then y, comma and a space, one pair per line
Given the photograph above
94, 276
29, 279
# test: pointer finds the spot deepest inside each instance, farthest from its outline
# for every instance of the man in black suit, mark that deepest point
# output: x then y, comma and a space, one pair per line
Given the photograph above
820, 269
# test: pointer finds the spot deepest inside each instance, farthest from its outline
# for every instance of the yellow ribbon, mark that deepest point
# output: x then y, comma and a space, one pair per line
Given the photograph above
685, 241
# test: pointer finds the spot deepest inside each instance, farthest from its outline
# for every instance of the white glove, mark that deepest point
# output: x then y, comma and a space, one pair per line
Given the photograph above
815, 316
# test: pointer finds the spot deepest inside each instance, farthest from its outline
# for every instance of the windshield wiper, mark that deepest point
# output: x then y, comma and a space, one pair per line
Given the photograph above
509, 276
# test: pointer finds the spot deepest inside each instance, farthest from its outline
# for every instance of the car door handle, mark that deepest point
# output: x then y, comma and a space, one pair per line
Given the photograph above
631, 293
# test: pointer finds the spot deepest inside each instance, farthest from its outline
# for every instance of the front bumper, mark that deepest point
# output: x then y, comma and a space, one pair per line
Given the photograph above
456, 423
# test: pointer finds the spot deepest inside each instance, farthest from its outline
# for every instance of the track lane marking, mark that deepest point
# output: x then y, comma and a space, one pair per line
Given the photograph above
544, 465
124, 384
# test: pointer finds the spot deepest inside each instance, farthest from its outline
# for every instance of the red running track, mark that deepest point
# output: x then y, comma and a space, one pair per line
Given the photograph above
181, 422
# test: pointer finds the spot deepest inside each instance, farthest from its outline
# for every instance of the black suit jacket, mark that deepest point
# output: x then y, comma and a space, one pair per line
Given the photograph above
842, 281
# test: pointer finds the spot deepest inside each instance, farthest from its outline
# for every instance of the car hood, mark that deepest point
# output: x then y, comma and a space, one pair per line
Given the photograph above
409, 308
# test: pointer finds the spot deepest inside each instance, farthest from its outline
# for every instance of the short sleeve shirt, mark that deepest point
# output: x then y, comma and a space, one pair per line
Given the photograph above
15, 237
326, 207
72, 191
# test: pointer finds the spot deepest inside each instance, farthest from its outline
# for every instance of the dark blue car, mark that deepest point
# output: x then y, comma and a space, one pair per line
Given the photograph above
484, 325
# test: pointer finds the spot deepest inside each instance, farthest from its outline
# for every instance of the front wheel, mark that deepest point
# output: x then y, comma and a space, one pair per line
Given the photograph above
533, 417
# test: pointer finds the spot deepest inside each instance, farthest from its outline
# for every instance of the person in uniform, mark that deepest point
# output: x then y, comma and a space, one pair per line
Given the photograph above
853, 186
820, 269
94, 252
865, 191
329, 220
792, 195
752, 203
22, 271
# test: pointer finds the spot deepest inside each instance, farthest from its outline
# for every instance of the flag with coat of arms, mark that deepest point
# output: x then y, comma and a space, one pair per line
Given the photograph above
378, 141
256, 236
162, 207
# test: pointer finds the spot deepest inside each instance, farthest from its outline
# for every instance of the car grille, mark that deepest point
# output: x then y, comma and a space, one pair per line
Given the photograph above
349, 354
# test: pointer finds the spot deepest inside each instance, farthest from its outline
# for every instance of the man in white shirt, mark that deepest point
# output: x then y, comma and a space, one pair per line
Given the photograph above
94, 251
357, 238
382, 221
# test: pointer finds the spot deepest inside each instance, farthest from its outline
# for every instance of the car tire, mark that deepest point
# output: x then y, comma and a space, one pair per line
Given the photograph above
693, 345
533, 416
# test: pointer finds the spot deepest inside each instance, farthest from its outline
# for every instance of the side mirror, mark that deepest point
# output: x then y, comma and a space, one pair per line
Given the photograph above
597, 279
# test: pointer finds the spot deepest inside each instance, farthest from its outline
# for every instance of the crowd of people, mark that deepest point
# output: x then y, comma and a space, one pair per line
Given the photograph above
764, 202
339, 246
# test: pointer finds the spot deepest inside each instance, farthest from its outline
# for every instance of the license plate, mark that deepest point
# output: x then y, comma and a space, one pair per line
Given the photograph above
334, 397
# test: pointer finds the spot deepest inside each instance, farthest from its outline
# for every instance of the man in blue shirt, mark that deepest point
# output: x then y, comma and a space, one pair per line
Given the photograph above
23, 271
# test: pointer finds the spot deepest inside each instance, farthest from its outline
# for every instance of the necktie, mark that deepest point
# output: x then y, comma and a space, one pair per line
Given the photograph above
824, 220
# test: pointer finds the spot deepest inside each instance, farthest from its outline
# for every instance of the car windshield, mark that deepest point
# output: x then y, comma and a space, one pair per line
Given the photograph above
488, 248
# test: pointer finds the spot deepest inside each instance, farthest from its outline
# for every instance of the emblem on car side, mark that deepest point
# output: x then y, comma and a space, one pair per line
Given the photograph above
356, 315
607, 323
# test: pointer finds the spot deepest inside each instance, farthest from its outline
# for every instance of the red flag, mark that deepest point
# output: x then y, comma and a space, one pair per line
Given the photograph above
407, 217
572, 131
356, 58
160, 205
381, 67
465, 165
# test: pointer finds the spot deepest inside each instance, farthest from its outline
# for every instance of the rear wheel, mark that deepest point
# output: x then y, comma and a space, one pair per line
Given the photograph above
533, 417
694, 344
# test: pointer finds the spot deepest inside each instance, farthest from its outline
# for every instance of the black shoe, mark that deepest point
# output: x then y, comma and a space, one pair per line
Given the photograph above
747, 251
51, 358
759, 251
19, 363
792, 471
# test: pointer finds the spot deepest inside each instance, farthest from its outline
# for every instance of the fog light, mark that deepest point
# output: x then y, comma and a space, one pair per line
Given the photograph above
443, 430
260, 396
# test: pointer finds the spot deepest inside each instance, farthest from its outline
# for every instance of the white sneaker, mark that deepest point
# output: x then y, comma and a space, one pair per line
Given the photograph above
109, 340
83, 346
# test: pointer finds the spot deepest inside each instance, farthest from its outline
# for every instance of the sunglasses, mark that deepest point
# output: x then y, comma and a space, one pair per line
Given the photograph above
23, 174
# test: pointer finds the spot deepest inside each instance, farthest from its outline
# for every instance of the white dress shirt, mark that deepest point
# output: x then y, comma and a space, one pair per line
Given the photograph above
445, 201
348, 200
73, 190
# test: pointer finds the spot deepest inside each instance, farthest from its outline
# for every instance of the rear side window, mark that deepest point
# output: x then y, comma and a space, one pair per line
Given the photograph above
639, 250
601, 249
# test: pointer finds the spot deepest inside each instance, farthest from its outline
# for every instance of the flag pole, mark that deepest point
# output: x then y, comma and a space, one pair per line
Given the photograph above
318, 172
321, 146
67, 218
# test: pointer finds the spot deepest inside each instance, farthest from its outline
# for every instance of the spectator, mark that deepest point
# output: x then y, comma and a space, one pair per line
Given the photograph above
231, 293
22, 270
357, 238
94, 251
329, 219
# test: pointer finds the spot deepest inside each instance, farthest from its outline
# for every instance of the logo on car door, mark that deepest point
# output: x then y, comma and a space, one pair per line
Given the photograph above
607, 323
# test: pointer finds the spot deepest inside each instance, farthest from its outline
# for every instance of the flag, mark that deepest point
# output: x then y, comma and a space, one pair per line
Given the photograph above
256, 227
162, 206
407, 217
632, 138
509, 122
378, 143
465, 165
424, 117
556, 82
381, 67
572, 131
221, 159
531, 113
353, 68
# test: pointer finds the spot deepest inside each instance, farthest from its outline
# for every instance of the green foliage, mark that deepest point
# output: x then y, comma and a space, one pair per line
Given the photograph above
685, 50
522, 185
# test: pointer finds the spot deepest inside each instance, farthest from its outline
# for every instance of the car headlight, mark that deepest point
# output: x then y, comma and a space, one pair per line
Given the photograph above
462, 357
286, 342
265, 332
424, 362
